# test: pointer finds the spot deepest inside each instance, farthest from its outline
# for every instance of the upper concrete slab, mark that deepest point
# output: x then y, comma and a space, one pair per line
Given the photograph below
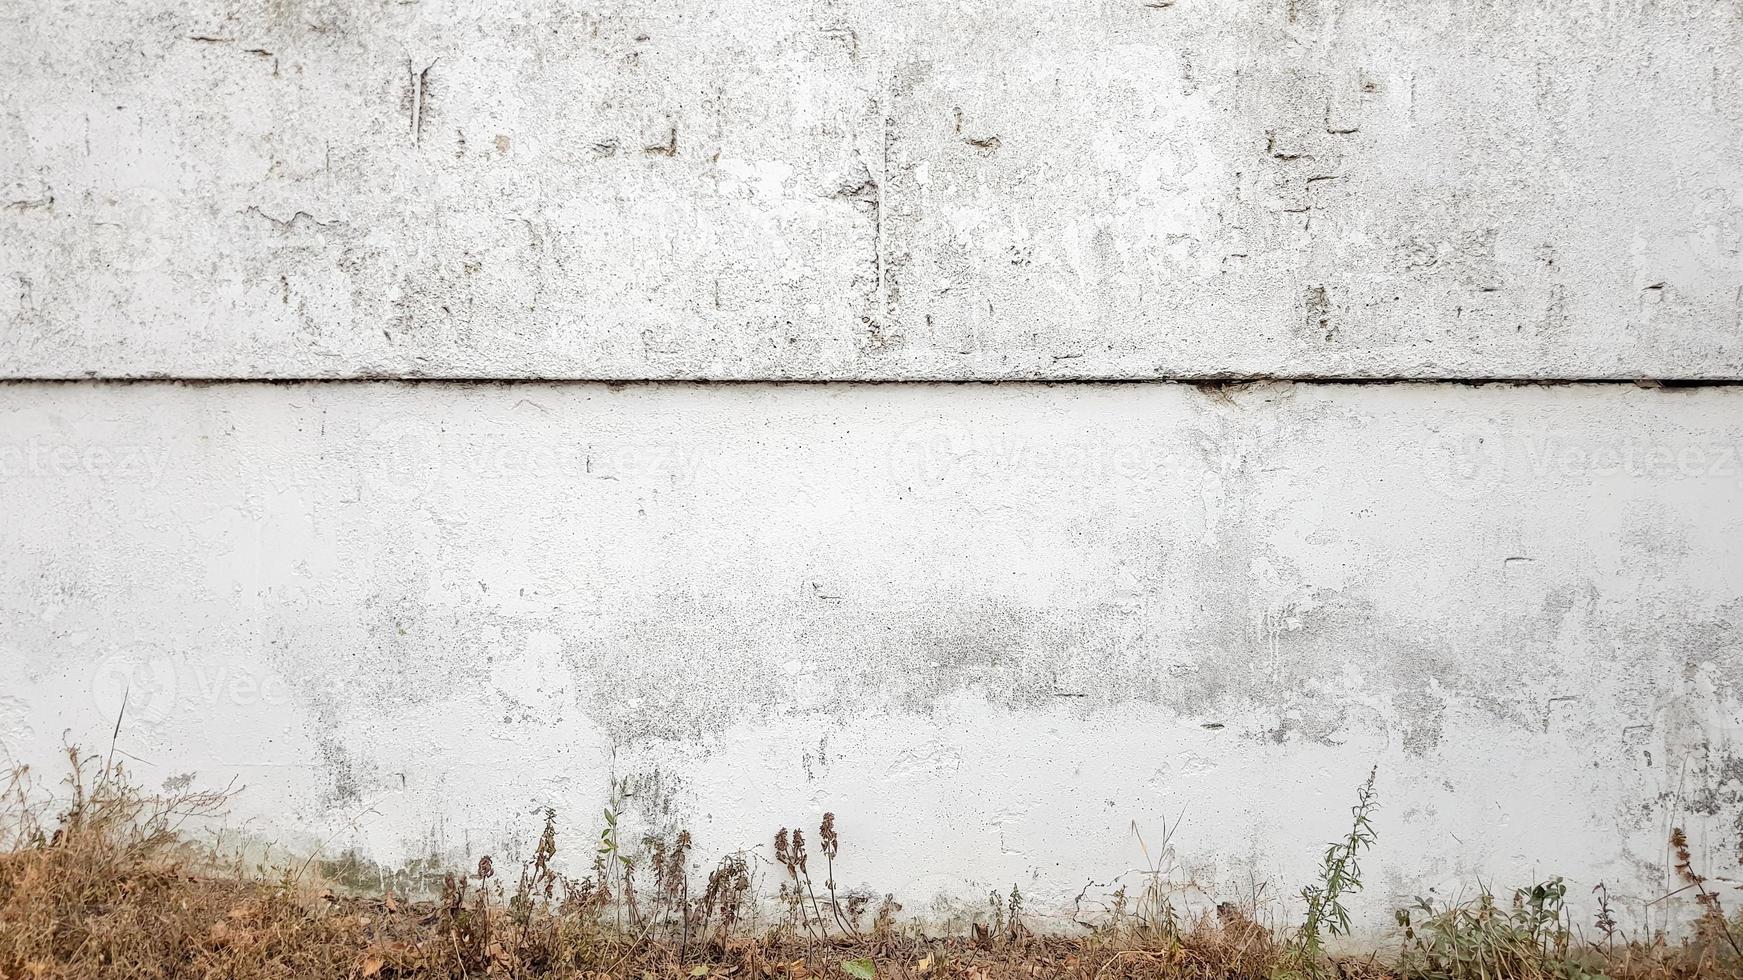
872, 189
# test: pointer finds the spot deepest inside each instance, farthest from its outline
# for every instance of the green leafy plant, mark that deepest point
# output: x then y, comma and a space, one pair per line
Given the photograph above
1340, 874
1480, 939
612, 863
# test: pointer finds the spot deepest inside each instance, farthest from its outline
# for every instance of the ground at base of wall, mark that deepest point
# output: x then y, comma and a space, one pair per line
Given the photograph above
172, 925
108, 884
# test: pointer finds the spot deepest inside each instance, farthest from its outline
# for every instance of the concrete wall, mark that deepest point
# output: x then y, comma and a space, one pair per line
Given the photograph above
992, 627
940, 189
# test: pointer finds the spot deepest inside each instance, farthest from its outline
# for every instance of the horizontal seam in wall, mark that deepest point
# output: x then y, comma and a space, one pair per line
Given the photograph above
1205, 381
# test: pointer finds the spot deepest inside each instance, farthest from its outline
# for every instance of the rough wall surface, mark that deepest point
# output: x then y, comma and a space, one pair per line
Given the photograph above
990, 626
939, 189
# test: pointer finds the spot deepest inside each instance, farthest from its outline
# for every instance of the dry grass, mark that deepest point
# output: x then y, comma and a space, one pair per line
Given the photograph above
108, 886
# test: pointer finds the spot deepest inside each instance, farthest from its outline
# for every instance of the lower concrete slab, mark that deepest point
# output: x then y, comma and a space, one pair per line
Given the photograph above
992, 627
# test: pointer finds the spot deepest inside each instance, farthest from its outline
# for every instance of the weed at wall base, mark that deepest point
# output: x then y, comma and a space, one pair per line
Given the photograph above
108, 887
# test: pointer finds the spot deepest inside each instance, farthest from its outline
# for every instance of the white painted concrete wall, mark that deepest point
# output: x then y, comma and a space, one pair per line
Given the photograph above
940, 189
990, 626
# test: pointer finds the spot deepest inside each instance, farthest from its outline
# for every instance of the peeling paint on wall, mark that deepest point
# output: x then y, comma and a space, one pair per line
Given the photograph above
941, 190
